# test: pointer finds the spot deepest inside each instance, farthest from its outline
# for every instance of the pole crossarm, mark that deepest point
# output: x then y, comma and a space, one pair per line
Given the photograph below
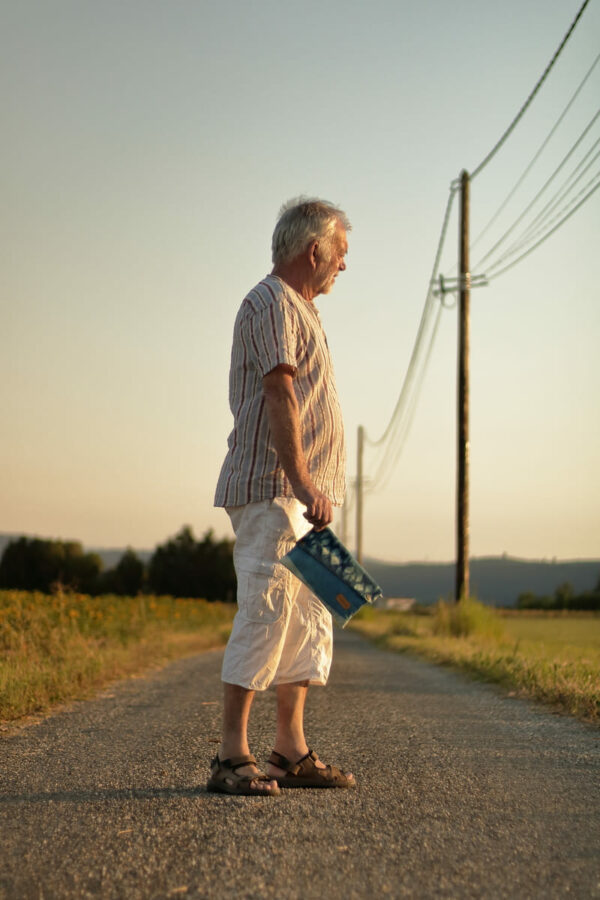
459, 283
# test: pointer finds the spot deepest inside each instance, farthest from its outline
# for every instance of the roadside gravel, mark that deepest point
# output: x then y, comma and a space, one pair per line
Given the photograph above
462, 792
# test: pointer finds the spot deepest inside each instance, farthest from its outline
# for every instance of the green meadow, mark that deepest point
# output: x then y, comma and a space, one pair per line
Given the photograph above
550, 657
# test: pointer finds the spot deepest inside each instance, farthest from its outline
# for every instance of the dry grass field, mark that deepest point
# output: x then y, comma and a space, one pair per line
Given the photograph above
552, 657
55, 648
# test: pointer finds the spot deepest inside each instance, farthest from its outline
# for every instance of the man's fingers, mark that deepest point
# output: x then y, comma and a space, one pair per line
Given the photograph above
318, 524
319, 513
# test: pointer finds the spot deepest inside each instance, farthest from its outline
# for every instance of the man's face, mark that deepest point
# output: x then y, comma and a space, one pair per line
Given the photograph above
331, 264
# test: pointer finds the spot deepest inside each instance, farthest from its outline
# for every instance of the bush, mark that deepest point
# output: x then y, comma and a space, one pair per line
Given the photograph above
530, 600
468, 617
185, 567
128, 577
564, 598
181, 567
33, 564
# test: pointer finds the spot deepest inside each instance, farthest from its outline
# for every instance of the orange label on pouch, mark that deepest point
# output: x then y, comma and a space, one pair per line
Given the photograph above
342, 601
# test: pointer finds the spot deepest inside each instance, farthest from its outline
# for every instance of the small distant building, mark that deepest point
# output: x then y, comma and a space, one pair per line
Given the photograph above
400, 603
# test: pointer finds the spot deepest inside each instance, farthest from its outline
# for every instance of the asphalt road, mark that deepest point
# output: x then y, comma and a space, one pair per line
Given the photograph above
462, 792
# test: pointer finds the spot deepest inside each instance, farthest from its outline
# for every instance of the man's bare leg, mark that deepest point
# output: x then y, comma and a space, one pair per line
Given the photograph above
290, 740
236, 712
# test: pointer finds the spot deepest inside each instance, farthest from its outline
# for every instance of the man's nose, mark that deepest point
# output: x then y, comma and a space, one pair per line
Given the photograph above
342, 265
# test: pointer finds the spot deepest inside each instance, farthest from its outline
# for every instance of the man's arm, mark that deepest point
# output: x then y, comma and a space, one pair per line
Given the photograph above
284, 422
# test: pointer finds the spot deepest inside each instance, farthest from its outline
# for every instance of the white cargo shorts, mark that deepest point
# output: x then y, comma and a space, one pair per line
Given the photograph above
281, 632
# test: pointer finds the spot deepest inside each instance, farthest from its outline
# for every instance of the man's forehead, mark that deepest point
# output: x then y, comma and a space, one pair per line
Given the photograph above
342, 237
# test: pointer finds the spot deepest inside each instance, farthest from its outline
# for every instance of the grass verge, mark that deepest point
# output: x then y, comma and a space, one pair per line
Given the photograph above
58, 648
478, 640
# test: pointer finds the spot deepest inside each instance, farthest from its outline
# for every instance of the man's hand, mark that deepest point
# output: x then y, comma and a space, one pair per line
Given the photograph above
319, 511
284, 421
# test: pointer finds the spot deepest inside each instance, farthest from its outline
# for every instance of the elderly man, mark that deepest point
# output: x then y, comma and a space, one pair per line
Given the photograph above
284, 471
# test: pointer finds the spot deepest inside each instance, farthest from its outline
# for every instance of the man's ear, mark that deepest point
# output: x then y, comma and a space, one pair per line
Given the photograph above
313, 254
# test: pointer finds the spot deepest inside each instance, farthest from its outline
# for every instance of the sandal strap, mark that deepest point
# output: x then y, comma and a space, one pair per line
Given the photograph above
308, 764
233, 763
247, 779
282, 762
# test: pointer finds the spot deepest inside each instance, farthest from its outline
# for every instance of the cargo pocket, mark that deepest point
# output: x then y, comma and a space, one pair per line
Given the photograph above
263, 592
264, 534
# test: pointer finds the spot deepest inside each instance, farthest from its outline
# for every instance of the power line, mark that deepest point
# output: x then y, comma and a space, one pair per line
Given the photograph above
547, 183
529, 100
545, 217
392, 440
560, 215
547, 235
576, 175
429, 299
388, 463
536, 155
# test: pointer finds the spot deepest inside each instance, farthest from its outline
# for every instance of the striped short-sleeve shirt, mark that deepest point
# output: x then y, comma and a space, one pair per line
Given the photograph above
275, 325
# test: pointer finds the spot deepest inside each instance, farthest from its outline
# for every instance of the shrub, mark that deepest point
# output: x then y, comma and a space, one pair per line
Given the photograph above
33, 564
468, 617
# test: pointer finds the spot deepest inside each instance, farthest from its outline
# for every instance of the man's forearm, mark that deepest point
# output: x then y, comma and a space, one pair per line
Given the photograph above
284, 422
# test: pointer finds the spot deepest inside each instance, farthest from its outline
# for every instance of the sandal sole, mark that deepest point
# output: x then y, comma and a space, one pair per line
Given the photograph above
220, 789
309, 783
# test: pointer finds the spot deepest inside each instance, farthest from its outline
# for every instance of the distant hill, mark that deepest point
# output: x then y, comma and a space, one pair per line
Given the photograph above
495, 580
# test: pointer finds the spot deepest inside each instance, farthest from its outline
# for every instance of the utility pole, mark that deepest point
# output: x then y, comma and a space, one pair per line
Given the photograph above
359, 492
344, 519
462, 493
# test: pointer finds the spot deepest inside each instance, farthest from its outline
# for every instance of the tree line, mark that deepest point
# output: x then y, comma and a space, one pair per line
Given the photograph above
564, 597
181, 567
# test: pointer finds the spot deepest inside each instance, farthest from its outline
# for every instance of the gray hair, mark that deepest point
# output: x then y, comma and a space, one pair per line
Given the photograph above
301, 221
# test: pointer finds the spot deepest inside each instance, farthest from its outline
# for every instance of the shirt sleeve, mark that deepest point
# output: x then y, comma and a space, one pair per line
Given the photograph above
273, 337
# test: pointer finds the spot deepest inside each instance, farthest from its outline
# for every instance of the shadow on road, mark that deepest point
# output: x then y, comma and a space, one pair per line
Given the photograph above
93, 796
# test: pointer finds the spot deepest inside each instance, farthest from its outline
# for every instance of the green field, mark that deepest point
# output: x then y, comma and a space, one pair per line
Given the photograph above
550, 657
571, 637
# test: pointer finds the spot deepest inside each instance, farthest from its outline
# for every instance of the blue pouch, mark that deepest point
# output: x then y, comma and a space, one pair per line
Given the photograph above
322, 562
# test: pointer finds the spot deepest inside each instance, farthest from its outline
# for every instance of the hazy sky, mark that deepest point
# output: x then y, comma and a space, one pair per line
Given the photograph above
147, 148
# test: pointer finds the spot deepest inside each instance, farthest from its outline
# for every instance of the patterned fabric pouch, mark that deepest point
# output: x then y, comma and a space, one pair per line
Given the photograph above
322, 562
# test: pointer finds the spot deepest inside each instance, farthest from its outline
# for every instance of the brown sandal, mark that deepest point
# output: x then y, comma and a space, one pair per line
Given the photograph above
306, 774
225, 780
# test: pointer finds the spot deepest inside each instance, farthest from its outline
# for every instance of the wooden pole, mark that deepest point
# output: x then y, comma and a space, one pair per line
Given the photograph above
344, 518
462, 498
359, 493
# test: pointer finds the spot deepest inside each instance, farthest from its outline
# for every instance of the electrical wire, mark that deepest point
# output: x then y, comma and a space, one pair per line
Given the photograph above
529, 100
536, 156
389, 462
541, 191
545, 217
547, 235
392, 440
429, 299
576, 175
559, 216
400, 425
